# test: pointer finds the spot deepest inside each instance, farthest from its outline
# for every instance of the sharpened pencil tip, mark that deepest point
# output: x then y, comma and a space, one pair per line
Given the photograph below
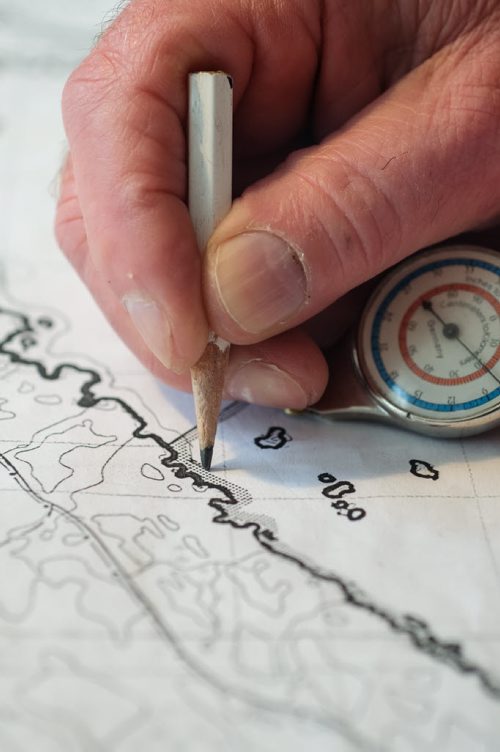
206, 457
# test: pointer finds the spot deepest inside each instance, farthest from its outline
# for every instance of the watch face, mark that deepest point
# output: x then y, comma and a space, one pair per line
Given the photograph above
429, 339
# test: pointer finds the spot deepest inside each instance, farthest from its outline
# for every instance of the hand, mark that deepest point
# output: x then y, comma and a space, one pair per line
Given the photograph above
402, 102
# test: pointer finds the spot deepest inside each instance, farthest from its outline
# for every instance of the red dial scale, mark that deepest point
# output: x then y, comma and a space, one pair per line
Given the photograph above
427, 351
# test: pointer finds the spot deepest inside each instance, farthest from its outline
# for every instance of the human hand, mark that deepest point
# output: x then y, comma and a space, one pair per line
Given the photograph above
403, 102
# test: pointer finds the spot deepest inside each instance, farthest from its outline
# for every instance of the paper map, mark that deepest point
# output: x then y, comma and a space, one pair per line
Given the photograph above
325, 588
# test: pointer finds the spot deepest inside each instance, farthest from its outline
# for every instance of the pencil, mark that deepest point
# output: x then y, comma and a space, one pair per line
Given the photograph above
210, 193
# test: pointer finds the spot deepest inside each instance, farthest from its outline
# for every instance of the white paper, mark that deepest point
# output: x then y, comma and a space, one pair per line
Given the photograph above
147, 605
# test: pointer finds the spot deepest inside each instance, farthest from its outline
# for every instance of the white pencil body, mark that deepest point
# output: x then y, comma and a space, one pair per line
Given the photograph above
210, 151
210, 195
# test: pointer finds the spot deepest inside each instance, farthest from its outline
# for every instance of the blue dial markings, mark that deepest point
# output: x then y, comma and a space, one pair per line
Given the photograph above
375, 336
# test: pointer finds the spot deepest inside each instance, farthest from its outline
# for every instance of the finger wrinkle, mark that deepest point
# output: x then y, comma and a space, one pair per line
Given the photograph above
87, 91
65, 200
142, 191
340, 232
468, 107
358, 200
154, 125
72, 239
441, 23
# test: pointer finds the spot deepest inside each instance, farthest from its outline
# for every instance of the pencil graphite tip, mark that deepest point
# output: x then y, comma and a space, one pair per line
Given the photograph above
206, 457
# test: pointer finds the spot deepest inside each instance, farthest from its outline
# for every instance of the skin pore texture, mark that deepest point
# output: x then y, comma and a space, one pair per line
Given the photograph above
364, 130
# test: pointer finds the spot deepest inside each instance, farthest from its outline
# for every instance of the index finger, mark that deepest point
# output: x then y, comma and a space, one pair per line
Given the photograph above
124, 112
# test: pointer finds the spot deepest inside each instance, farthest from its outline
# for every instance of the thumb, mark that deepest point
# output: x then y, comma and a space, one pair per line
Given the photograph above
413, 168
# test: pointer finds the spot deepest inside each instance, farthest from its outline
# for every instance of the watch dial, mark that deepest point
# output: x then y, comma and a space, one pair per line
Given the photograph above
429, 340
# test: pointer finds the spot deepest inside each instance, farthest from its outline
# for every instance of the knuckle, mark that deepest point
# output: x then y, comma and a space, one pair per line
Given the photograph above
125, 51
357, 218
87, 88
140, 190
125, 66
470, 108
69, 227
70, 235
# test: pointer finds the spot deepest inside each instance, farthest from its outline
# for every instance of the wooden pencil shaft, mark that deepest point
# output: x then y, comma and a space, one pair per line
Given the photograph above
210, 151
210, 194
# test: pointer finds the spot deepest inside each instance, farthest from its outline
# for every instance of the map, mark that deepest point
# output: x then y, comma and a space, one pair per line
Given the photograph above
325, 587
160, 594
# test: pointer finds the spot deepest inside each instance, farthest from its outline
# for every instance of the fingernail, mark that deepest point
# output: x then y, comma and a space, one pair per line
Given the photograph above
260, 280
266, 384
154, 328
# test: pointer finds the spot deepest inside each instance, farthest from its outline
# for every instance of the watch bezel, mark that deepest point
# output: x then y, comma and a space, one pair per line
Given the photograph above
449, 426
